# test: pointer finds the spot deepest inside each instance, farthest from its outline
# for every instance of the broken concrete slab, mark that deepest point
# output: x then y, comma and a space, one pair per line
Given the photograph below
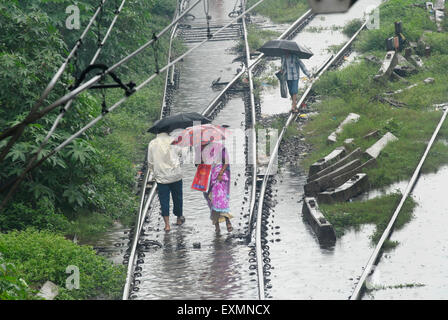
352, 117
429, 80
322, 183
375, 150
349, 141
354, 186
404, 68
321, 227
340, 180
355, 154
416, 61
48, 291
331, 158
388, 65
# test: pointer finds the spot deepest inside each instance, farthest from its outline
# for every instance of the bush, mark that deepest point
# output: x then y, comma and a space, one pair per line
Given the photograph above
12, 287
42, 256
351, 27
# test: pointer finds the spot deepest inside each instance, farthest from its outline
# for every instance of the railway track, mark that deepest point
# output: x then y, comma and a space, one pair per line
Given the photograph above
262, 214
149, 187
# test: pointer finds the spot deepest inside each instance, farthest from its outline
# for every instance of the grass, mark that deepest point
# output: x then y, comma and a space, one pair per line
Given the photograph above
281, 11
256, 37
353, 89
377, 211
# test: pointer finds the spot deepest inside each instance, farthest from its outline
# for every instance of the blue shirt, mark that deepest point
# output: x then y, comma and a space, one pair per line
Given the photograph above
291, 65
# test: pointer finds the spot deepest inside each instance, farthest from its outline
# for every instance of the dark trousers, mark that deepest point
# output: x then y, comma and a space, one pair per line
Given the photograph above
164, 191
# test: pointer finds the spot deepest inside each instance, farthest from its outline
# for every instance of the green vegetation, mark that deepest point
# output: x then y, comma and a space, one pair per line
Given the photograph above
89, 184
41, 256
376, 211
12, 286
256, 37
397, 286
353, 89
281, 11
351, 27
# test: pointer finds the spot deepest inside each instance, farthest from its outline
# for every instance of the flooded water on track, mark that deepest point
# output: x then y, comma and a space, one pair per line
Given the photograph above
219, 269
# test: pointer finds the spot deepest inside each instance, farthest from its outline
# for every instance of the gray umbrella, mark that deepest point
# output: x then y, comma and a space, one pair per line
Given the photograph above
178, 121
278, 48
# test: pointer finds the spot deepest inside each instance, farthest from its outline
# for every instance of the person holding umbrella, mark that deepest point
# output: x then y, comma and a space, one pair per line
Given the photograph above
209, 138
164, 162
291, 53
291, 65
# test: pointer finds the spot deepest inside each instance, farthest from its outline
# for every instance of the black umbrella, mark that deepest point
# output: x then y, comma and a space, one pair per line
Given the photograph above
278, 48
178, 121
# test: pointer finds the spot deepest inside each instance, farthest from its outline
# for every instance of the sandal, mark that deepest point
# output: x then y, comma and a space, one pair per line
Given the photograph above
182, 220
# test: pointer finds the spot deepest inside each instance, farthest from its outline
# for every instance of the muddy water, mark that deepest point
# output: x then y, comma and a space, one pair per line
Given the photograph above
219, 269
303, 268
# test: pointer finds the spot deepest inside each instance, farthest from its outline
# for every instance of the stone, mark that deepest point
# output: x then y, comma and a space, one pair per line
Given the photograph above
357, 184
388, 65
321, 227
349, 141
404, 68
324, 182
416, 61
197, 245
352, 117
355, 154
428, 80
48, 291
331, 158
376, 149
341, 179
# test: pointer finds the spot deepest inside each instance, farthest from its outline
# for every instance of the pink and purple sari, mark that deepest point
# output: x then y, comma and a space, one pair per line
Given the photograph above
218, 194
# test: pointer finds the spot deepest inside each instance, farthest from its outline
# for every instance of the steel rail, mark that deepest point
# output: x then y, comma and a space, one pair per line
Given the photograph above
284, 35
143, 212
168, 77
291, 117
253, 153
357, 293
144, 207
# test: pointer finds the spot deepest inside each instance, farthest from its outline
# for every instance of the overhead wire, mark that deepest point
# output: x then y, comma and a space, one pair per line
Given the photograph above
123, 99
63, 110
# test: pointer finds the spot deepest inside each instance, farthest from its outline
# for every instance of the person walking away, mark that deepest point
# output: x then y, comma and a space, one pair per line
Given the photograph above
164, 162
290, 66
218, 195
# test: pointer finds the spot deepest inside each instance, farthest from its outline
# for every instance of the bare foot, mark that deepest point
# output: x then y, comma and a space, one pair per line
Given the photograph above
167, 228
229, 225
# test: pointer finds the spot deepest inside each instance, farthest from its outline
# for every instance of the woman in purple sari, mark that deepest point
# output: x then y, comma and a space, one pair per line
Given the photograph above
218, 194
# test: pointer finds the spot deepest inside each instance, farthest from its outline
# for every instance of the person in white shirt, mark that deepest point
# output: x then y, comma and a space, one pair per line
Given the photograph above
164, 162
